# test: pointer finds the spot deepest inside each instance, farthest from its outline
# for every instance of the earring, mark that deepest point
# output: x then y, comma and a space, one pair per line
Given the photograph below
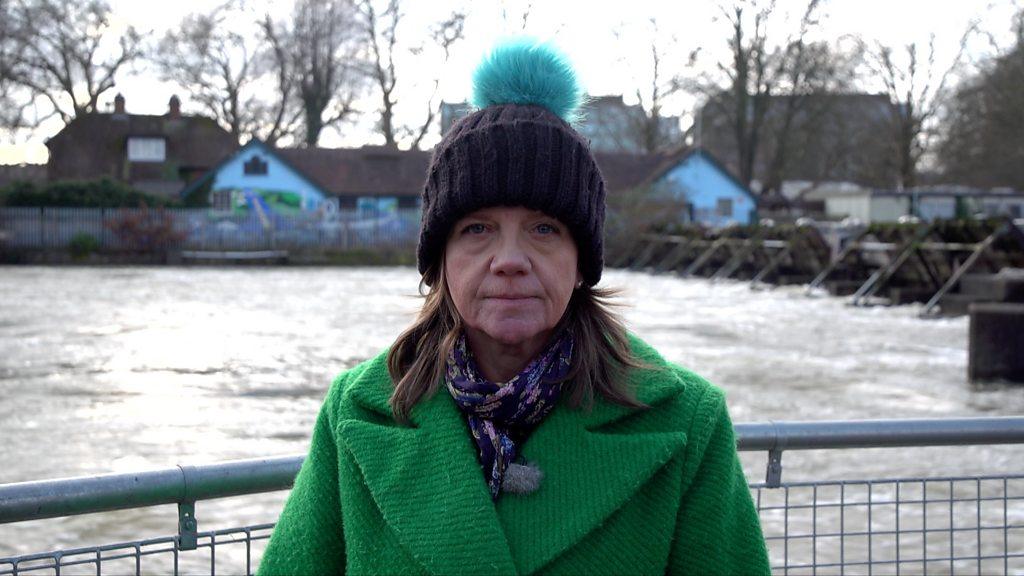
579, 284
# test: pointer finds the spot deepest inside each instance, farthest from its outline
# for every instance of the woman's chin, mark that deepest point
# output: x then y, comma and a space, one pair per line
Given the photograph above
515, 333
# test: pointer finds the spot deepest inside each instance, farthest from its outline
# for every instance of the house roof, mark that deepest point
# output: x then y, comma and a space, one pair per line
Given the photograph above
366, 171
624, 171
194, 141
382, 171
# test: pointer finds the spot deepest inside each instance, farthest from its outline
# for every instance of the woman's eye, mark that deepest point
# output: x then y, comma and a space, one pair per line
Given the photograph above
546, 229
475, 228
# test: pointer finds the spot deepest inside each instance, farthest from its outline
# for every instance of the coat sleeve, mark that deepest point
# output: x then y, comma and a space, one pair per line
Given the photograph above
717, 529
308, 537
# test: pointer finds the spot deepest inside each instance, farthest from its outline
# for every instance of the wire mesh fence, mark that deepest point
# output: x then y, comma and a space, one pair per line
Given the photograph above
955, 525
229, 551
970, 524
961, 525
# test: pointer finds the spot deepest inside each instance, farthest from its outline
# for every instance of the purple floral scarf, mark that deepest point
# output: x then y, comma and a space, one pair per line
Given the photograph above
501, 416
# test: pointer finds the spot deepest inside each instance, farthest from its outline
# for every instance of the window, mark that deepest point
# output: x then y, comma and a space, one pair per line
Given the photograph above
147, 150
723, 207
256, 166
221, 200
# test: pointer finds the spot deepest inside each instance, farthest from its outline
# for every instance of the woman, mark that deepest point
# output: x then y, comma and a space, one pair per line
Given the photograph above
515, 427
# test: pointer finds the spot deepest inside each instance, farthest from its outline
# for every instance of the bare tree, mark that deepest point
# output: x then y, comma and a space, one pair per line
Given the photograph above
750, 83
238, 76
380, 34
918, 90
10, 51
523, 17
757, 71
320, 47
981, 145
65, 53
811, 77
648, 130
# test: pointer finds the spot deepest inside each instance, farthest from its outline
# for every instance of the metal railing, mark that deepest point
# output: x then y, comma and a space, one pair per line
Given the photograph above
946, 524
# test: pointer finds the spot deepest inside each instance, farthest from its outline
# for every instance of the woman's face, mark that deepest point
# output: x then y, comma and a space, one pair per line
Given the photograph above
511, 272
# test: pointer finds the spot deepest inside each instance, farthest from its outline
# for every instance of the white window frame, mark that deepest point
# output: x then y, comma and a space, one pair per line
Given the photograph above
724, 207
142, 149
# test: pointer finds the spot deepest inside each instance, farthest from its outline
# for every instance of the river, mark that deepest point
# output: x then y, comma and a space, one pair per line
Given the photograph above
126, 368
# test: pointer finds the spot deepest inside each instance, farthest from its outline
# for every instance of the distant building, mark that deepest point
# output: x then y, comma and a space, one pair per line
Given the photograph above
931, 203
155, 154
370, 180
609, 124
831, 137
712, 196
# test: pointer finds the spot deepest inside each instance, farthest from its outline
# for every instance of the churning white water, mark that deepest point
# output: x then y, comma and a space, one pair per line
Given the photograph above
120, 369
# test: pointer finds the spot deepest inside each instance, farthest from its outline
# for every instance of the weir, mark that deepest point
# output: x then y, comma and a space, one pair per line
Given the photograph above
881, 263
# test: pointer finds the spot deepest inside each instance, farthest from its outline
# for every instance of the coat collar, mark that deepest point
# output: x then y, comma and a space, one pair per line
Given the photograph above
412, 473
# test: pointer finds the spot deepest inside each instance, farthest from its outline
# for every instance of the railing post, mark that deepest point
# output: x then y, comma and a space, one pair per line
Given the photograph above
773, 474
188, 535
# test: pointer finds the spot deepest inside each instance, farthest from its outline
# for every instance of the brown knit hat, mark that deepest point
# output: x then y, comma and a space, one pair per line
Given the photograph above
518, 150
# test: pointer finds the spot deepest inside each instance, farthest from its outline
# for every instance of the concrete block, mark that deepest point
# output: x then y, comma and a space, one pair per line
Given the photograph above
996, 347
984, 287
953, 304
1011, 282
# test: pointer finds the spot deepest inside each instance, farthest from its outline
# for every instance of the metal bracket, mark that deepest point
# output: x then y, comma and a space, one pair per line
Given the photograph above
188, 537
773, 475
188, 525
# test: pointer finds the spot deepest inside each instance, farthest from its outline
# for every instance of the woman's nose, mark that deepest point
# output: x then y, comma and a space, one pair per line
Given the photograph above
510, 256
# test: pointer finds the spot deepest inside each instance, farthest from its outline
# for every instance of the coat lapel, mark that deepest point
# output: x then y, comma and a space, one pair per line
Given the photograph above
593, 464
427, 481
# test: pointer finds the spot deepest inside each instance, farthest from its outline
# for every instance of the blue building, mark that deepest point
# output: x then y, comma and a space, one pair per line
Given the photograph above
256, 178
712, 195
690, 177
369, 181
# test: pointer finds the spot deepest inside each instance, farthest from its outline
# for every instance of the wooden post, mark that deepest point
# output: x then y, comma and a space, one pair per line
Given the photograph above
882, 275
674, 256
820, 278
772, 264
982, 246
645, 256
696, 264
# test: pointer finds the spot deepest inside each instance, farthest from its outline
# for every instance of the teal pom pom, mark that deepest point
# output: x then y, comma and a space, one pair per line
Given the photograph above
524, 71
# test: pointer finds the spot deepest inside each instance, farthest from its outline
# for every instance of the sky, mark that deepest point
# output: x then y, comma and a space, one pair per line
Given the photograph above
608, 44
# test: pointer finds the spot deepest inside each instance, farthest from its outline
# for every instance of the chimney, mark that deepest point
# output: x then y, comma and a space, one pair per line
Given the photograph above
174, 107
119, 104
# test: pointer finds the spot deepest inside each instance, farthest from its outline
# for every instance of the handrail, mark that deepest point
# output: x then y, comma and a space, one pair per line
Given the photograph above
36, 500
902, 433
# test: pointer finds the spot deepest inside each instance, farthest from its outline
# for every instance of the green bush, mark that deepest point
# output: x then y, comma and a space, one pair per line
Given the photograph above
103, 193
83, 244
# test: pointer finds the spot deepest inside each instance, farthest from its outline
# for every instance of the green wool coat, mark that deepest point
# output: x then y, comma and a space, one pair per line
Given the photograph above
625, 491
